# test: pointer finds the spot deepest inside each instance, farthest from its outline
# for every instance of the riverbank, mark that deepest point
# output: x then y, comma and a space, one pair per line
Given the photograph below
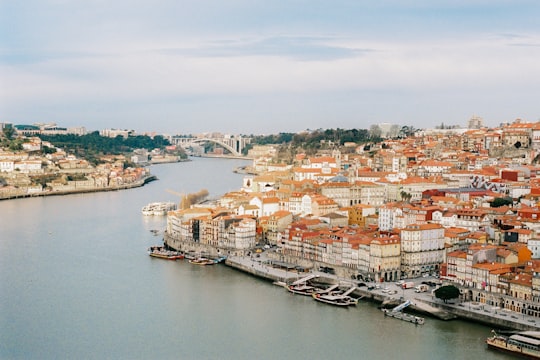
135, 184
389, 295
165, 160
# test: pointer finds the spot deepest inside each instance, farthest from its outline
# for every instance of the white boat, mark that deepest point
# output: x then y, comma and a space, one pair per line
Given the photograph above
158, 208
404, 316
524, 343
202, 261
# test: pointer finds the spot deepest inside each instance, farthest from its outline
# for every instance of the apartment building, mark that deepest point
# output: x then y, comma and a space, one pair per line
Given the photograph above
422, 249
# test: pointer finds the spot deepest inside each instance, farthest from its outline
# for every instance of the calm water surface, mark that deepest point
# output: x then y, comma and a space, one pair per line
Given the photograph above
76, 283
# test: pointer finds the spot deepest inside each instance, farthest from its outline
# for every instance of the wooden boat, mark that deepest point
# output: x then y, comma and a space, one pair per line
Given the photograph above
163, 253
336, 297
304, 286
191, 255
202, 261
303, 289
338, 300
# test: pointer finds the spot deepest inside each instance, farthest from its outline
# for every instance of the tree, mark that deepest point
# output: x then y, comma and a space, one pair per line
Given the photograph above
405, 196
8, 132
407, 131
498, 202
375, 131
394, 131
48, 150
15, 145
447, 292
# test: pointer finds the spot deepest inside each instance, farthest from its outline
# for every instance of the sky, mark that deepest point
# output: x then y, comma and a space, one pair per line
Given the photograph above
257, 67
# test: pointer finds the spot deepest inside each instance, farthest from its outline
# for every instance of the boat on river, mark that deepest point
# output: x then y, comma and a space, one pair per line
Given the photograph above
219, 259
202, 261
164, 253
523, 343
404, 316
336, 298
303, 289
158, 208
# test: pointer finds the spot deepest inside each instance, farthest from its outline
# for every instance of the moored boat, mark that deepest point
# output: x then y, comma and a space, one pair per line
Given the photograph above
338, 300
219, 259
191, 255
163, 253
158, 208
524, 343
202, 261
404, 316
302, 289
336, 297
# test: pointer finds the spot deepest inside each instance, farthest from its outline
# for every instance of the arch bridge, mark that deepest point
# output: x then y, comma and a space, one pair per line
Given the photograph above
235, 144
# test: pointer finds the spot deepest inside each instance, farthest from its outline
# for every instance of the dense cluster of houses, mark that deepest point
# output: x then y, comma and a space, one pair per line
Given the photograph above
66, 172
459, 204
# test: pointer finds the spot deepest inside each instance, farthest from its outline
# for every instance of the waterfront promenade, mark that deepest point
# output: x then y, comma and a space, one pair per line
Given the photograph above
81, 190
389, 294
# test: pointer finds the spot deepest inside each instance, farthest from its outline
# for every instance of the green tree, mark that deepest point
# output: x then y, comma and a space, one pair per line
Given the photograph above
8, 132
91, 146
407, 131
15, 145
48, 150
498, 202
246, 149
405, 196
447, 292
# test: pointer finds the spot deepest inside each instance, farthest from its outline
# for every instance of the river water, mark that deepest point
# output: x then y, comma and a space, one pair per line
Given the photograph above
76, 283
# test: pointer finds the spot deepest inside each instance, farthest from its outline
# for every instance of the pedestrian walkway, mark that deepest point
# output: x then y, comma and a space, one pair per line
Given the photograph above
425, 302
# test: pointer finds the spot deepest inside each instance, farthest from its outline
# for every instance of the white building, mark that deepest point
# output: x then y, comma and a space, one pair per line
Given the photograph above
390, 217
7, 165
534, 246
422, 249
241, 235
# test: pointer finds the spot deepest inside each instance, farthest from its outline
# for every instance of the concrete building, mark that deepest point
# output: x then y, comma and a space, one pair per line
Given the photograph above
422, 249
277, 223
385, 258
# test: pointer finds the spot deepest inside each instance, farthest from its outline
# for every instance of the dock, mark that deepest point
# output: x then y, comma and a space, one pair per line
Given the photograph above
304, 279
421, 303
404, 316
397, 313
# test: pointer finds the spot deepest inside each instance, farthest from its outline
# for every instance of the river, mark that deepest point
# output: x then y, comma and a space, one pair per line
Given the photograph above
76, 283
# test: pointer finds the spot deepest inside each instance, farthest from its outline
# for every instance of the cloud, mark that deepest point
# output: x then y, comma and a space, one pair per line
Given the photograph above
257, 59
305, 48
271, 65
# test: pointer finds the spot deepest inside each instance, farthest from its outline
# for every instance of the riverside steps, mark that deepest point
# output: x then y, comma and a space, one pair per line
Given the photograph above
389, 295
263, 269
